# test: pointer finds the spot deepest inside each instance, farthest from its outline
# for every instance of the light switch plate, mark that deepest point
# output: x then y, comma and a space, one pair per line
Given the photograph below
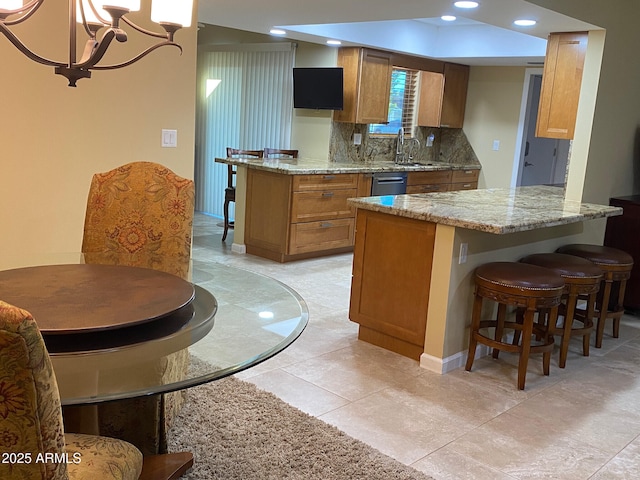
169, 138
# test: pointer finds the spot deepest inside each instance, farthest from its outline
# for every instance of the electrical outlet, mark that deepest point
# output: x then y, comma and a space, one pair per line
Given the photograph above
357, 138
463, 253
496, 145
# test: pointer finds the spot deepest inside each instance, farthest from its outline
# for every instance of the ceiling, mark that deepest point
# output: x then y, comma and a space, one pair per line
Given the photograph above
482, 36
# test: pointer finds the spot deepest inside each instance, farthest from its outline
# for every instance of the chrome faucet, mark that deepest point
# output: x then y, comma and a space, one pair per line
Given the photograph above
400, 146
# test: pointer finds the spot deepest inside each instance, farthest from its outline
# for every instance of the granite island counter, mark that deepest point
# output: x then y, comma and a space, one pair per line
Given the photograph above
289, 209
414, 259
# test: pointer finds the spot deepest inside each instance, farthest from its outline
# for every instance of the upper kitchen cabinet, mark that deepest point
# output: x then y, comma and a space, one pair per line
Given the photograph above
443, 97
561, 81
367, 82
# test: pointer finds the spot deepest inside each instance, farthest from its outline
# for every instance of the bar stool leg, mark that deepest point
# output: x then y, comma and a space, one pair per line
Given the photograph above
616, 320
527, 331
590, 313
475, 326
502, 314
604, 307
546, 356
572, 299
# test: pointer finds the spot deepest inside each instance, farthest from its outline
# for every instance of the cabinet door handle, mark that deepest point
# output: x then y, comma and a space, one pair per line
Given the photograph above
328, 177
327, 194
466, 185
326, 225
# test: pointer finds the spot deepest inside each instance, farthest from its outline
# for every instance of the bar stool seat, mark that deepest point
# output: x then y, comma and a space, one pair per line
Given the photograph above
582, 280
616, 265
529, 287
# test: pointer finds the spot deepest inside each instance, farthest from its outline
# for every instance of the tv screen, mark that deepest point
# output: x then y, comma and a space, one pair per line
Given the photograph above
318, 88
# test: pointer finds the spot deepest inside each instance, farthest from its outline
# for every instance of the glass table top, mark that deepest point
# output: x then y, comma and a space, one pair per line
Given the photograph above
236, 320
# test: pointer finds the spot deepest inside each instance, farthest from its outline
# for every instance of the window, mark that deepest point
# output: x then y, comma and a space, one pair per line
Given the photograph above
402, 102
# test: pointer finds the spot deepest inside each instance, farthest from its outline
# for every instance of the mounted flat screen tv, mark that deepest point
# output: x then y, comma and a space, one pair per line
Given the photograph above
318, 88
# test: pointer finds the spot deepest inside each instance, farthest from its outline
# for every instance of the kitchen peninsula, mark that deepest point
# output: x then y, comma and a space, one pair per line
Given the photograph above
289, 209
414, 258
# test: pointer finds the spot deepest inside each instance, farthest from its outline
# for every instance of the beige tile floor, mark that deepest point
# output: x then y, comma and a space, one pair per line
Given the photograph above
582, 422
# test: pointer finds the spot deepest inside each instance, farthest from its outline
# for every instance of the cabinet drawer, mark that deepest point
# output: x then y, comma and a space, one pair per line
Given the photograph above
322, 181
321, 205
465, 176
464, 186
317, 236
427, 178
435, 187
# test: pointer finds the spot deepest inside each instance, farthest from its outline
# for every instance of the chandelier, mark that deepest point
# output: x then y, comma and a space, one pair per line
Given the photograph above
101, 20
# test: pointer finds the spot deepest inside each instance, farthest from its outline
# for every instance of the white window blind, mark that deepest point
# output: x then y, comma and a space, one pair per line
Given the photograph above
249, 108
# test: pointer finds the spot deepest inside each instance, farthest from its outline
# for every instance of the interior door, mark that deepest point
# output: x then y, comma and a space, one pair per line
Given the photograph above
544, 160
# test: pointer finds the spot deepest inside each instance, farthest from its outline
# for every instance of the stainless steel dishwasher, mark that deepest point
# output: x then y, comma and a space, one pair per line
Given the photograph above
389, 183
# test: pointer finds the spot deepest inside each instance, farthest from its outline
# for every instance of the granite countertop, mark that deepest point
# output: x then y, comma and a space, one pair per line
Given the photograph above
497, 211
303, 166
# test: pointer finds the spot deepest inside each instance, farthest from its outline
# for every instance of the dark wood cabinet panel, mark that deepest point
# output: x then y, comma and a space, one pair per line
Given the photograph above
623, 232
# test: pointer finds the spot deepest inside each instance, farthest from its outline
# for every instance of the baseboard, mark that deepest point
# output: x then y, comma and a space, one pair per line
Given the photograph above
240, 248
453, 362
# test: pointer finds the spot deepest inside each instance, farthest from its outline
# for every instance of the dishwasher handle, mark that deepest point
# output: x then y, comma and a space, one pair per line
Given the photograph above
391, 180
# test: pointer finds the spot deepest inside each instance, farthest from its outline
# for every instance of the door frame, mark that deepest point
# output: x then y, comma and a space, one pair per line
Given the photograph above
523, 124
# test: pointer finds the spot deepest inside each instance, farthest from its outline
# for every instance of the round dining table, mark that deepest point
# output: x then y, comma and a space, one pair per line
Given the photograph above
225, 330
109, 328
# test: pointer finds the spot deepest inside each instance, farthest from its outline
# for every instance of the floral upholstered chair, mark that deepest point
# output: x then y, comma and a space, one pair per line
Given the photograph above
31, 418
141, 214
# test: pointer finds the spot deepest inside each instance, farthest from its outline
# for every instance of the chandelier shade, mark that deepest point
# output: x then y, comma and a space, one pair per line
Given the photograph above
102, 24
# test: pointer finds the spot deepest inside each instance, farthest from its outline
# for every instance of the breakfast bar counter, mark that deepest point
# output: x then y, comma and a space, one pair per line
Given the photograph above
293, 208
415, 255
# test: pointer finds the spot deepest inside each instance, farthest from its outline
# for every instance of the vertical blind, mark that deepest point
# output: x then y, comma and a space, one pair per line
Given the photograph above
251, 108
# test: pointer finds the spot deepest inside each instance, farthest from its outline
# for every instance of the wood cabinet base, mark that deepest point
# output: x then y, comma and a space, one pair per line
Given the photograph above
391, 279
388, 342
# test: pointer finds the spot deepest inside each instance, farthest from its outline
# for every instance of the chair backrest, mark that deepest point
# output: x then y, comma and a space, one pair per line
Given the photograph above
279, 152
236, 152
30, 411
140, 214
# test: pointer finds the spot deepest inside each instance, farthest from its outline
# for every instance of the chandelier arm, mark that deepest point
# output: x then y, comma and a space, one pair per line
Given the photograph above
23, 48
137, 57
29, 8
143, 30
99, 49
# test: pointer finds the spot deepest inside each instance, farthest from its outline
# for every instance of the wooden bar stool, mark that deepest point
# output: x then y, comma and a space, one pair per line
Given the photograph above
616, 266
532, 288
582, 280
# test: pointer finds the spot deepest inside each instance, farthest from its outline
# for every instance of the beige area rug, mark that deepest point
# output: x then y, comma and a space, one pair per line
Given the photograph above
238, 432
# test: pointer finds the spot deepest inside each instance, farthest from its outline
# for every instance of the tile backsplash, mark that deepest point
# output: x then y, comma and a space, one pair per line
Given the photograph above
450, 145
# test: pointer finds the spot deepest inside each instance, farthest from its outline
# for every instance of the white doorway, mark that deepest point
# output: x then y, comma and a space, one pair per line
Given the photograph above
538, 161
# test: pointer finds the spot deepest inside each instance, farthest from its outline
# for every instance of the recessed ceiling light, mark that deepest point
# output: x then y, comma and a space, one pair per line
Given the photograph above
525, 23
277, 31
465, 4
334, 42
448, 18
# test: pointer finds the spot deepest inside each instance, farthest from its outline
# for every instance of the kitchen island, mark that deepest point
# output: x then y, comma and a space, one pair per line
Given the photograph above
414, 259
289, 209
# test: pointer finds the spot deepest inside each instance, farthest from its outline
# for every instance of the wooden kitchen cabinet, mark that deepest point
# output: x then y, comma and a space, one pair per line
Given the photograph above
561, 82
367, 83
289, 217
464, 179
442, 180
392, 314
622, 232
426, 182
443, 97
